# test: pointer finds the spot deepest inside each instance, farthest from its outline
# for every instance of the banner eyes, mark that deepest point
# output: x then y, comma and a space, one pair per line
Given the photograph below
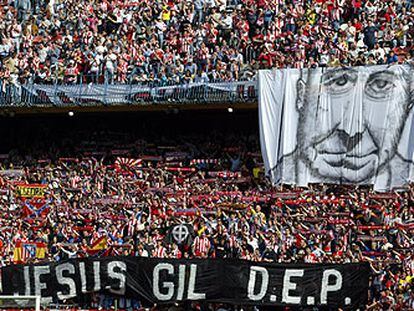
339, 82
380, 85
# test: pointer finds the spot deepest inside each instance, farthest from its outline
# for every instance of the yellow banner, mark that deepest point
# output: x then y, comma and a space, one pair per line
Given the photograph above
31, 191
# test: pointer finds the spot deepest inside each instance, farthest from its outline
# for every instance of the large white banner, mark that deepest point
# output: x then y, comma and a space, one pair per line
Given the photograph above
92, 94
338, 125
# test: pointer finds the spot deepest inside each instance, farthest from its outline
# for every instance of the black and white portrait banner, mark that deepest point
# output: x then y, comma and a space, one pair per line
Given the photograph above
170, 280
338, 125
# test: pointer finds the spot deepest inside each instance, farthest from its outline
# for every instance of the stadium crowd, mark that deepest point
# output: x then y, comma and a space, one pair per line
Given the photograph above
177, 41
108, 193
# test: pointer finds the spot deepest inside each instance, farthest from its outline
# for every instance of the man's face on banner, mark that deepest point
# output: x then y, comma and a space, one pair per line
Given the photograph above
352, 119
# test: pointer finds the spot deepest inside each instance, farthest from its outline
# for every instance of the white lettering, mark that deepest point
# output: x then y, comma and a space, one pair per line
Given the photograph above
121, 276
27, 280
156, 280
252, 282
65, 280
82, 277
181, 282
191, 285
330, 288
96, 275
288, 286
39, 285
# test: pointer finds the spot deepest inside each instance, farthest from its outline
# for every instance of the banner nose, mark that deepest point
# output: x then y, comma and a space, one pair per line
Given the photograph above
352, 122
348, 141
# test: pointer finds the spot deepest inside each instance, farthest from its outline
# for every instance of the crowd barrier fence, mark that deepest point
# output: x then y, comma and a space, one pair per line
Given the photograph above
80, 93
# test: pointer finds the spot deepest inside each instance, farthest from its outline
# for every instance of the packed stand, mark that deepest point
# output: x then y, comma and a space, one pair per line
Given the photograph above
172, 41
116, 196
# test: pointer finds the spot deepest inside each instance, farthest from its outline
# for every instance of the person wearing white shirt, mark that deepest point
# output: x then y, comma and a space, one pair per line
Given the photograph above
210, 3
226, 21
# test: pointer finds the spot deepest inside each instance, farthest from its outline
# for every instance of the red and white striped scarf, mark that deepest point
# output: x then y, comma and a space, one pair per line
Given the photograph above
232, 241
160, 252
131, 226
201, 245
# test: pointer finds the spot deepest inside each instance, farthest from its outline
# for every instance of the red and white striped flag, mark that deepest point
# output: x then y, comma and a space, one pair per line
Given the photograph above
129, 165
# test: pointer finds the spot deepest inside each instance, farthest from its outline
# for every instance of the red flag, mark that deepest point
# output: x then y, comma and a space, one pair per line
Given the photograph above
33, 208
128, 165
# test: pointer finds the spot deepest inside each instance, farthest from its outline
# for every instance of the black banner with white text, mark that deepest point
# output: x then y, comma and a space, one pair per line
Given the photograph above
170, 280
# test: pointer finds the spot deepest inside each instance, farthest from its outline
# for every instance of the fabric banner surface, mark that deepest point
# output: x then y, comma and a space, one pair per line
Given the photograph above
338, 125
92, 94
30, 191
181, 234
35, 207
170, 280
26, 250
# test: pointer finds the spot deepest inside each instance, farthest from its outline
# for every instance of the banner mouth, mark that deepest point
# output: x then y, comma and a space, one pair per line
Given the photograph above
347, 155
347, 160
347, 164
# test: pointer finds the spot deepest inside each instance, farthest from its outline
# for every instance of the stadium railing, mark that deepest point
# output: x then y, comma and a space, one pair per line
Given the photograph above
65, 93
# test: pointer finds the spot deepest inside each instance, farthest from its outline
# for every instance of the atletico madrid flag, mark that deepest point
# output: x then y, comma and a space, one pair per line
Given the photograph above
26, 250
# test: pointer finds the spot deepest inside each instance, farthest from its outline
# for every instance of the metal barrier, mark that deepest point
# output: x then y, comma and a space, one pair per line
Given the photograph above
64, 94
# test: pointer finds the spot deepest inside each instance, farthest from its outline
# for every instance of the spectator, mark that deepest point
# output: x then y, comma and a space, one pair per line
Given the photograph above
159, 37
392, 58
211, 181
